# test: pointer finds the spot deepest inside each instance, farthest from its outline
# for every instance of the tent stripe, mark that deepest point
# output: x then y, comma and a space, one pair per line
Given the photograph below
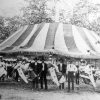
69, 39
83, 35
49, 44
94, 35
7, 41
80, 43
97, 40
31, 41
93, 41
39, 42
23, 36
59, 39
14, 38
65, 39
29, 36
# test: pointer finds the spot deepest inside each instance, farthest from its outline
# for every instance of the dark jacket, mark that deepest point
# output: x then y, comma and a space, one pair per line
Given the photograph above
31, 65
45, 67
62, 68
35, 67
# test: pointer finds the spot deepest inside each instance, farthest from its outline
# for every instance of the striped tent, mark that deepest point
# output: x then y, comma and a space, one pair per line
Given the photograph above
58, 38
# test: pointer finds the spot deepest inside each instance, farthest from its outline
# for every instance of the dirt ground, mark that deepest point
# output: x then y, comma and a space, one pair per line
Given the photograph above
22, 91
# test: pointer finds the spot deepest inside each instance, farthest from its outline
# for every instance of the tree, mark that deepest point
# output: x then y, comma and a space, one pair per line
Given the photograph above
35, 12
1, 21
9, 26
14, 23
87, 15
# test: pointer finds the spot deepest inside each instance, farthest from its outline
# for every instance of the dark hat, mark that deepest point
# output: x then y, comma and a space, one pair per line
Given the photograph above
70, 60
35, 59
83, 61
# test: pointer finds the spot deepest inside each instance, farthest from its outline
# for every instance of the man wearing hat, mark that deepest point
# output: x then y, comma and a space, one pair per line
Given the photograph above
62, 69
17, 65
36, 72
77, 73
43, 74
71, 69
82, 65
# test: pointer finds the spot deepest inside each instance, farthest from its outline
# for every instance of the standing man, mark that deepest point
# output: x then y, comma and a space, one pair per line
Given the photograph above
31, 71
62, 69
43, 75
77, 73
17, 65
35, 70
71, 69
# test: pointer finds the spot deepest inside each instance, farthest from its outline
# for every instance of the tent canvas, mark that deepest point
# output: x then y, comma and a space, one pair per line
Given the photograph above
58, 38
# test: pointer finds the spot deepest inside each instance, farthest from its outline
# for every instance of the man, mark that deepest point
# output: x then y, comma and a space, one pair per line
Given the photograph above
43, 74
36, 72
2, 64
82, 65
9, 69
31, 70
62, 69
3, 71
77, 73
71, 69
17, 65
52, 69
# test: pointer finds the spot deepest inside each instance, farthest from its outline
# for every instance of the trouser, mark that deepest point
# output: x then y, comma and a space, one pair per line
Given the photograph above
9, 71
35, 82
17, 75
70, 79
66, 77
2, 77
61, 86
77, 78
43, 79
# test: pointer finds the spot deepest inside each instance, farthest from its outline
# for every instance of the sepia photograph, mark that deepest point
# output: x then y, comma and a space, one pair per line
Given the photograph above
49, 50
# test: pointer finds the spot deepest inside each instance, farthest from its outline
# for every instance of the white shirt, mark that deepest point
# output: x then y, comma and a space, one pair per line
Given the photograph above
43, 67
88, 69
82, 68
18, 65
24, 66
71, 68
60, 67
35, 63
2, 64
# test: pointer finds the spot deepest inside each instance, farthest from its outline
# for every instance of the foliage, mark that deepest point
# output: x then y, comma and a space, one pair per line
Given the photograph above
38, 11
8, 26
35, 12
83, 12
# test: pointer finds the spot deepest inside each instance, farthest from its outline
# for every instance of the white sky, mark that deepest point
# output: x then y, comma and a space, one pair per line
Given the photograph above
11, 7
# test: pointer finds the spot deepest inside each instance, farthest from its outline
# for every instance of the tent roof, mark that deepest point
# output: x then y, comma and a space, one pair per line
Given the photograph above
57, 38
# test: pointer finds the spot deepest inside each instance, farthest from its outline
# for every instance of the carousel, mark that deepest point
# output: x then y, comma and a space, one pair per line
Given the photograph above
55, 41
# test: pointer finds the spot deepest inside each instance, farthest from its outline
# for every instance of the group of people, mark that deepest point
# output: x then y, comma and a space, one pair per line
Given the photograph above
7, 68
38, 71
70, 70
